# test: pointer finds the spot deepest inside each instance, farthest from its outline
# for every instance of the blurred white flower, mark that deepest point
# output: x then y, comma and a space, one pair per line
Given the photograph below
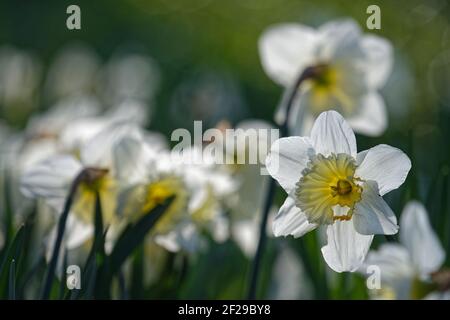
350, 68
154, 175
20, 74
130, 76
246, 203
328, 183
289, 280
73, 72
98, 172
407, 268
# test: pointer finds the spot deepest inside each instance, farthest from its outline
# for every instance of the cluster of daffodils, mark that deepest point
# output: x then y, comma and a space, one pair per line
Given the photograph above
93, 133
132, 173
329, 184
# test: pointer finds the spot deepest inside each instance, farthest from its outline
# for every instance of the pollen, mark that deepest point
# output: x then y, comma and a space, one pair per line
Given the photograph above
328, 182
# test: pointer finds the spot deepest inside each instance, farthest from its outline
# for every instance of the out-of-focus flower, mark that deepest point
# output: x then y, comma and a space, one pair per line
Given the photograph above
329, 184
155, 175
20, 74
349, 69
289, 280
246, 203
73, 72
409, 268
130, 76
208, 96
94, 166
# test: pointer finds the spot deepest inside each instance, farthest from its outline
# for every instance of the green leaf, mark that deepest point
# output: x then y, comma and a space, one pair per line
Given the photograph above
134, 235
48, 282
13, 253
12, 281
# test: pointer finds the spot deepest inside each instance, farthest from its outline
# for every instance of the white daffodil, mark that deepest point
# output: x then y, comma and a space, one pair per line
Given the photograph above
73, 71
20, 74
131, 76
409, 269
349, 68
98, 173
330, 184
155, 175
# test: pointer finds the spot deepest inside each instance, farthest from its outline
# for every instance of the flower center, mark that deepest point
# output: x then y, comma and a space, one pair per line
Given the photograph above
328, 189
93, 180
328, 89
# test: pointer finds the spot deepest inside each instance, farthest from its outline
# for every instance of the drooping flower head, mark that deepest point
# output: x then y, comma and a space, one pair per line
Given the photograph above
349, 69
330, 184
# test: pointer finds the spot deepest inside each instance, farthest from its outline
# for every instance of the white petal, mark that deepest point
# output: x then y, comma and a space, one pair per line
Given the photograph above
51, 178
370, 118
290, 220
346, 249
131, 161
79, 131
246, 233
372, 214
394, 261
419, 238
332, 134
98, 151
286, 50
379, 59
287, 159
386, 165
339, 39
396, 271
77, 232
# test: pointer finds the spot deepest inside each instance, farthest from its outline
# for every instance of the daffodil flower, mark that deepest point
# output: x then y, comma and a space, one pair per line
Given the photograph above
155, 175
407, 267
96, 170
349, 68
330, 184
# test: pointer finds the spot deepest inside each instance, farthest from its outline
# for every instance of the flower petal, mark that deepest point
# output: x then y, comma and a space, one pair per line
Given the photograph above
346, 249
98, 151
51, 178
371, 118
372, 214
396, 271
332, 134
287, 159
131, 160
286, 50
419, 238
290, 220
339, 39
386, 165
379, 59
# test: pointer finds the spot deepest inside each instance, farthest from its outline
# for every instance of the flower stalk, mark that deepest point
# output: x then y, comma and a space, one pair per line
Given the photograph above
287, 101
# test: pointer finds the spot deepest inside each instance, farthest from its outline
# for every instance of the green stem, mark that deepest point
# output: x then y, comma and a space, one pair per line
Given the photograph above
288, 99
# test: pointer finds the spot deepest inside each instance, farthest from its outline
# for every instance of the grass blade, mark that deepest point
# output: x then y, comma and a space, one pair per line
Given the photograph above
133, 236
59, 237
13, 253
12, 281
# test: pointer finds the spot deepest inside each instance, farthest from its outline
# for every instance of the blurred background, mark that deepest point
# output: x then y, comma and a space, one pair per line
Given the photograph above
199, 60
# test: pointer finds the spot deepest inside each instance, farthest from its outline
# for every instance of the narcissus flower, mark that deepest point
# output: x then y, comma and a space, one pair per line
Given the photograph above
152, 176
96, 170
349, 68
330, 184
408, 268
